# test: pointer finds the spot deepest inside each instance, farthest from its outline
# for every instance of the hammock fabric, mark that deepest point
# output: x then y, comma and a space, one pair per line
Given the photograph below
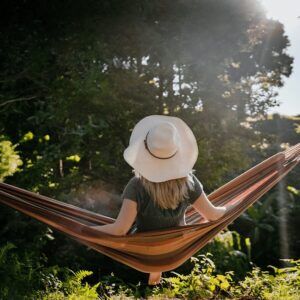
160, 250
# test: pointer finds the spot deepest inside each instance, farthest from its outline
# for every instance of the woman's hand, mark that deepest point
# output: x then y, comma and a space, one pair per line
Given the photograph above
219, 212
210, 212
231, 207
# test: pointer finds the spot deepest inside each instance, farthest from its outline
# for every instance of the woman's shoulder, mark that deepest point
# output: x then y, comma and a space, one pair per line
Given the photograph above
134, 180
132, 189
194, 180
196, 188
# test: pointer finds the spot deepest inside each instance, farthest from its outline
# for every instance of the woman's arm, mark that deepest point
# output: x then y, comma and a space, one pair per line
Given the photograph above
207, 209
124, 220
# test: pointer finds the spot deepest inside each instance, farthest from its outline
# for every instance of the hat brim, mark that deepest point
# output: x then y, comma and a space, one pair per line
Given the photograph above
160, 170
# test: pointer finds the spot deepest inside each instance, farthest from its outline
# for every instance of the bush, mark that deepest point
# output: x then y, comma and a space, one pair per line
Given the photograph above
19, 273
9, 158
226, 249
204, 283
72, 288
26, 278
283, 284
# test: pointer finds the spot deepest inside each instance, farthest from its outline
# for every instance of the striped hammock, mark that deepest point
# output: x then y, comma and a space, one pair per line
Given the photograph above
160, 250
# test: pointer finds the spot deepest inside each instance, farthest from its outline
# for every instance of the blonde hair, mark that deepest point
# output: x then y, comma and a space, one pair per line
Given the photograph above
168, 194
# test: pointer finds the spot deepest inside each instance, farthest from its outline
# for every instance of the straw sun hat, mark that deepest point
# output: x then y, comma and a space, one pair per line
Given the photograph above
161, 148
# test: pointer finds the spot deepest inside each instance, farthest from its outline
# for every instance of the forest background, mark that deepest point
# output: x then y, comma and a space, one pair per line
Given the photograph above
75, 78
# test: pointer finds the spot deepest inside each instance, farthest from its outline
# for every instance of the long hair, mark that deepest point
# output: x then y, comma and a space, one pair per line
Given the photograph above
168, 194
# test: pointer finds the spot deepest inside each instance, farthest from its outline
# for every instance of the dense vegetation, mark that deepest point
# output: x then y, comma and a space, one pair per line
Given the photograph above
76, 76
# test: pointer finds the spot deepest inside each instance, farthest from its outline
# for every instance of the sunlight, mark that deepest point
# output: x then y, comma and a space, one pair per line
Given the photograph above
287, 11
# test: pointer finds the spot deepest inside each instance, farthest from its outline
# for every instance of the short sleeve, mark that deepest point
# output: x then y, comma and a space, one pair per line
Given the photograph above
197, 191
130, 191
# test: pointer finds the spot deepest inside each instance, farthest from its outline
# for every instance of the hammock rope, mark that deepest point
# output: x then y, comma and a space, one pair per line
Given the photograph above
160, 250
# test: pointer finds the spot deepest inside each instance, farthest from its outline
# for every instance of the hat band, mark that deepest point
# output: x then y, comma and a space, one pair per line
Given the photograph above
146, 146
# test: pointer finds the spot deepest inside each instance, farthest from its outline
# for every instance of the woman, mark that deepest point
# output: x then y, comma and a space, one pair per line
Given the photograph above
162, 152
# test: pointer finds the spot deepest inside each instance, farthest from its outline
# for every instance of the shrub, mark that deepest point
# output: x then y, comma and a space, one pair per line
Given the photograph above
73, 288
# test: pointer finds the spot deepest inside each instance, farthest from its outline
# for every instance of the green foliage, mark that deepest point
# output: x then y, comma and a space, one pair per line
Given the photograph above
226, 248
203, 282
261, 222
200, 283
293, 190
283, 284
72, 288
9, 158
27, 137
19, 273
78, 84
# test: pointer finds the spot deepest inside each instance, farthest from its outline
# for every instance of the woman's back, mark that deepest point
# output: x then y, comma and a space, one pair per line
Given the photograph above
152, 217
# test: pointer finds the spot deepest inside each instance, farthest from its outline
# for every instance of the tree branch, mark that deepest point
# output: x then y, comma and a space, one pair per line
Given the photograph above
17, 100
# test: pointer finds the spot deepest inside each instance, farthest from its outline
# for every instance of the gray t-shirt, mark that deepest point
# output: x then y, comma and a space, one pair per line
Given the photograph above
149, 215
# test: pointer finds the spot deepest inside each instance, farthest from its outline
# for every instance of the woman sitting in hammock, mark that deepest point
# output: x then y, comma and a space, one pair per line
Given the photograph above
162, 151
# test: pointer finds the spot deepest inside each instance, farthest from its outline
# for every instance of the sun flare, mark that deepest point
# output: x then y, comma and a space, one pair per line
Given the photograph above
287, 11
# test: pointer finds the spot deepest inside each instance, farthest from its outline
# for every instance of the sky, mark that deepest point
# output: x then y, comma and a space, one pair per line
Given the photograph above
288, 13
